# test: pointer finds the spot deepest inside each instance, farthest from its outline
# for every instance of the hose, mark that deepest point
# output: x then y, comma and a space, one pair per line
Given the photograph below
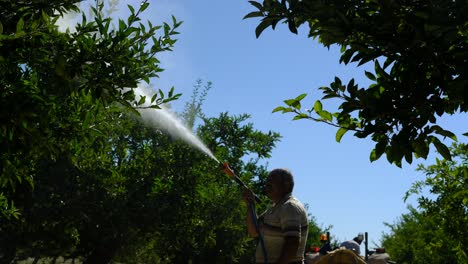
257, 229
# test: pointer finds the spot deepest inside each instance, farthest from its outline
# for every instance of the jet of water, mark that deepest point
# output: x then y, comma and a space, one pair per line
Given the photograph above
167, 121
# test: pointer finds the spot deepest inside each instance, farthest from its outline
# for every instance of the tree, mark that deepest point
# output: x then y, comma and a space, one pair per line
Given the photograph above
62, 93
193, 108
419, 52
315, 231
416, 238
43, 71
206, 223
438, 232
199, 214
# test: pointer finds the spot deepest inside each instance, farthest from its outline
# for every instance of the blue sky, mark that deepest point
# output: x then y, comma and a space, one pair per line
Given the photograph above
337, 181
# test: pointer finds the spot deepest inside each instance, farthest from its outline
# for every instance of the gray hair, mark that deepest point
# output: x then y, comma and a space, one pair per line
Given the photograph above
286, 178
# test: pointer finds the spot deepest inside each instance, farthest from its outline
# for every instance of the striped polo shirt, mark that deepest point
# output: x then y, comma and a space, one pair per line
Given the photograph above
286, 218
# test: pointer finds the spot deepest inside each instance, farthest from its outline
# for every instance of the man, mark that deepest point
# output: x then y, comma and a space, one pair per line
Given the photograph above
284, 226
326, 247
354, 245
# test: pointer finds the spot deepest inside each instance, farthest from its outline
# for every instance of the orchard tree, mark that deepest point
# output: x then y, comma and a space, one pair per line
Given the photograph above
44, 72
193, 107
416, 238
61, 94
438, 232
420, 58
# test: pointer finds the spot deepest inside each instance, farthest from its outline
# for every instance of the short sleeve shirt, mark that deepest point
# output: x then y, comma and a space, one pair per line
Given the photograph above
286, 218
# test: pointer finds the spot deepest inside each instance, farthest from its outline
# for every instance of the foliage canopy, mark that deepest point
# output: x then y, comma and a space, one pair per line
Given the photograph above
438, 231
44, 72
419, 52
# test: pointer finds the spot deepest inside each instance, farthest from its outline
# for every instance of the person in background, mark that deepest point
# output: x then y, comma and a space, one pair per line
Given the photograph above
379, 257
325, 248
283, 226
312, 256
354, 245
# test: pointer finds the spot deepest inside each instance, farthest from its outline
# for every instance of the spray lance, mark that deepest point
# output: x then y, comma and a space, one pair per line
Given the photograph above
226, 169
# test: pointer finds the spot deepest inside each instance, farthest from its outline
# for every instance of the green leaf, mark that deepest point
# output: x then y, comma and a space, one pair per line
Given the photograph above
46, 17
370, 75
380, 72
409, 157
329, 96
171, 92
20, 25
143, 6
1, 28
338, 81
373, 156
122, 25
350, 87
292, 26
155, 96
346, 56
317, 106
378, 150
300, 97
340, 133
253, 14
262, 26
437, 129
256, 4
132, 10
282, 109
387, 62
325, 115
442, 149
277, 109
421, 148
301, 116
293, 103
142, 100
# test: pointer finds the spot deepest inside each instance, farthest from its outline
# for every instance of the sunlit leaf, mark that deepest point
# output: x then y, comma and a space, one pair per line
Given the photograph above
318, 106
339, 134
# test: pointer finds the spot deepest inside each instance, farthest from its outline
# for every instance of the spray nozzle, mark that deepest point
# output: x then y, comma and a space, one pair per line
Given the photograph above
226, 169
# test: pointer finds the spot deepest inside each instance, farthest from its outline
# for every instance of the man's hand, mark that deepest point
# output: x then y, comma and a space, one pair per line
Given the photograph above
248, 196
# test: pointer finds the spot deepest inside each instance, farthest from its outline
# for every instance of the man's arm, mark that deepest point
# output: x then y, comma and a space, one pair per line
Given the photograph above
290, 247
248, 198
250, 224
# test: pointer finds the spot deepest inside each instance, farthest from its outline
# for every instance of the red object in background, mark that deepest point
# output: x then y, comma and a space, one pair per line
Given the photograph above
314, 249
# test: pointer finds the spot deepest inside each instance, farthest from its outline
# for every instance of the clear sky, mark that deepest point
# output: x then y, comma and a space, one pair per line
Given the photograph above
337, 181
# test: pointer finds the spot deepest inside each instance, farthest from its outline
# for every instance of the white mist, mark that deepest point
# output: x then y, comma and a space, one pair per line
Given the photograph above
167, 121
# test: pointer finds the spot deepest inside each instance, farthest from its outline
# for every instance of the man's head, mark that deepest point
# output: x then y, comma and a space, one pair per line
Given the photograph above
279, 183
359, 239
